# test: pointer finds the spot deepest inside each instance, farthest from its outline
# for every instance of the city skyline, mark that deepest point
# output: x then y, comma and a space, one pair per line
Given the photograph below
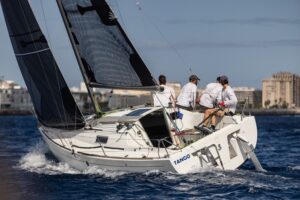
281, 92
248, 41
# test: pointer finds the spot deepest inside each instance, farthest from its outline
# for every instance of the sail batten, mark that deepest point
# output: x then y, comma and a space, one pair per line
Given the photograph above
106, 53
52, 100
30, 53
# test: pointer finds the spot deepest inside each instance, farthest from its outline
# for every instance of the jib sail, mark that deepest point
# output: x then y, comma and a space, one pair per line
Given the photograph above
53, 102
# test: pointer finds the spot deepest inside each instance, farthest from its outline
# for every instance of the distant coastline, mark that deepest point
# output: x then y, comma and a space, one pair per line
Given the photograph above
257, 111
262, 111
15, 112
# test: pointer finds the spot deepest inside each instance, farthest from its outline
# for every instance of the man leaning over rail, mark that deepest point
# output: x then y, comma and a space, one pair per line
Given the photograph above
208, 103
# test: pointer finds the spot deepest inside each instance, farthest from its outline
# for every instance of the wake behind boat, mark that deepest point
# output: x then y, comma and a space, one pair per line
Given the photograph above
136, 139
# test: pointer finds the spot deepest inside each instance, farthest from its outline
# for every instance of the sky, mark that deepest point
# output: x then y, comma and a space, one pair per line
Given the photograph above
247, 40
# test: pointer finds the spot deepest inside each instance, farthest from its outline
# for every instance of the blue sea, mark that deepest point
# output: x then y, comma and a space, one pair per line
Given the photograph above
29, 171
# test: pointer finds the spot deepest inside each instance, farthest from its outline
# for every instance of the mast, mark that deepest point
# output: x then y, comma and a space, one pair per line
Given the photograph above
86, 79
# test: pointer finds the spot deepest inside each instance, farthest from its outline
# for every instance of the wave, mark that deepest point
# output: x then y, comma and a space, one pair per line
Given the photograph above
37, 161
295, 168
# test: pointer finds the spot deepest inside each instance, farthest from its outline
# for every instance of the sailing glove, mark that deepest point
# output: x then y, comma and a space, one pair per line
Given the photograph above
222, 104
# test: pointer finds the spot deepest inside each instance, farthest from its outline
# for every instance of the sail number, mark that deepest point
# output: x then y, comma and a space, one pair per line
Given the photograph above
183, 158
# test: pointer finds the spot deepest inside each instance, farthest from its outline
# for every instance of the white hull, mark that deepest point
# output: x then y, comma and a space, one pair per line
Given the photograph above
131, 150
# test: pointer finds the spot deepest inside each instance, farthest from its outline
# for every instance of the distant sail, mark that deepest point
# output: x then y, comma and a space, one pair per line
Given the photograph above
53, 102
108, 57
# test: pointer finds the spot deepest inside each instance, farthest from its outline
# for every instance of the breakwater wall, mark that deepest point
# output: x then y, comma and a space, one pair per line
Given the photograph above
15, 112
272, 111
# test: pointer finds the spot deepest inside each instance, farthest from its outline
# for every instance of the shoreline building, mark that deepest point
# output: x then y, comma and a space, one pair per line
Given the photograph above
282, 90
14, 97
127, 98
84, 102
176, 86
251, 96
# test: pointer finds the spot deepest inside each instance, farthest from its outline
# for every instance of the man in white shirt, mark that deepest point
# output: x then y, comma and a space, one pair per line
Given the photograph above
208, 101
227, 97
187, 96
209, 96
166, 95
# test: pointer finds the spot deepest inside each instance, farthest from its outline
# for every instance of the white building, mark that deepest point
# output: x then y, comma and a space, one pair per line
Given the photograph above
249, 95
14, 97
281, 90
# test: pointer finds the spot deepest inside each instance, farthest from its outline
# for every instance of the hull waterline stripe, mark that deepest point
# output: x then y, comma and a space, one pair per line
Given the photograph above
97, 147
114, 148
94, 155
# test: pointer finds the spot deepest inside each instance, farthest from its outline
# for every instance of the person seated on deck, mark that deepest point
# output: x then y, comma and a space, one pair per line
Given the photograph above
227, 102
208, 102
166, 95
187, 97
227, 98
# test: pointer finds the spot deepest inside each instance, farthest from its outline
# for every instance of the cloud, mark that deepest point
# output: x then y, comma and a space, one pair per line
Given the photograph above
252, 21
211, 44
255, 44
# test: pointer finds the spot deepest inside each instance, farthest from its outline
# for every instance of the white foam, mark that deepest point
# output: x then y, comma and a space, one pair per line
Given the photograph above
152, 172
36, 161
103, 172
295, 167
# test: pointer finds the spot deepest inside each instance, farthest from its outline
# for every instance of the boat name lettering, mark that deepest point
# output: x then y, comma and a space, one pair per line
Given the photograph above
183, 158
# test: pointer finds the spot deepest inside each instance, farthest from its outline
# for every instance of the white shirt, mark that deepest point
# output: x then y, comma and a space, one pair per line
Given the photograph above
187, 96
165, 97
210, 94
228, 96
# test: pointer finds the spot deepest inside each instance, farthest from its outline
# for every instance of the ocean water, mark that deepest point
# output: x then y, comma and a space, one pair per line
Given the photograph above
29, 171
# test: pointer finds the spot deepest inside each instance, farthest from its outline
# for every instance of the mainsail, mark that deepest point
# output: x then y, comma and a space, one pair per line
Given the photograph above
105, 54
53, 102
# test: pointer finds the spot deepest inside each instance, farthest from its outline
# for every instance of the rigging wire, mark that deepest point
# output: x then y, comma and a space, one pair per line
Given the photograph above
120, 14
54, 66
168, 43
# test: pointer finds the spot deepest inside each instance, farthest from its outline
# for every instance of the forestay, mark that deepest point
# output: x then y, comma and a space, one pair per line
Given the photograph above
53, 102
106, 55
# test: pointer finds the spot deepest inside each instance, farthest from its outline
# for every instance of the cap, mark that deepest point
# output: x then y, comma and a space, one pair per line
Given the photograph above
224, 80
194, 77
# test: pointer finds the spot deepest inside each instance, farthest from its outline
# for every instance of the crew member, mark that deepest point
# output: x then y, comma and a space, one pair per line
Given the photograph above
166, 95
208, 102
187, 96
227, 98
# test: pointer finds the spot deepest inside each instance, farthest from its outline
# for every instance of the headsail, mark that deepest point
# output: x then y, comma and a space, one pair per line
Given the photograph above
107, 56
53, 102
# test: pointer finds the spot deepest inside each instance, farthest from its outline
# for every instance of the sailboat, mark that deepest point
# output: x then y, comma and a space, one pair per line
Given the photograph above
135, 139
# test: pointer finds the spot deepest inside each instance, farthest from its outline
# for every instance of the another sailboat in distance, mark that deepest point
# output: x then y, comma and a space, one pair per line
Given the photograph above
134, 139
